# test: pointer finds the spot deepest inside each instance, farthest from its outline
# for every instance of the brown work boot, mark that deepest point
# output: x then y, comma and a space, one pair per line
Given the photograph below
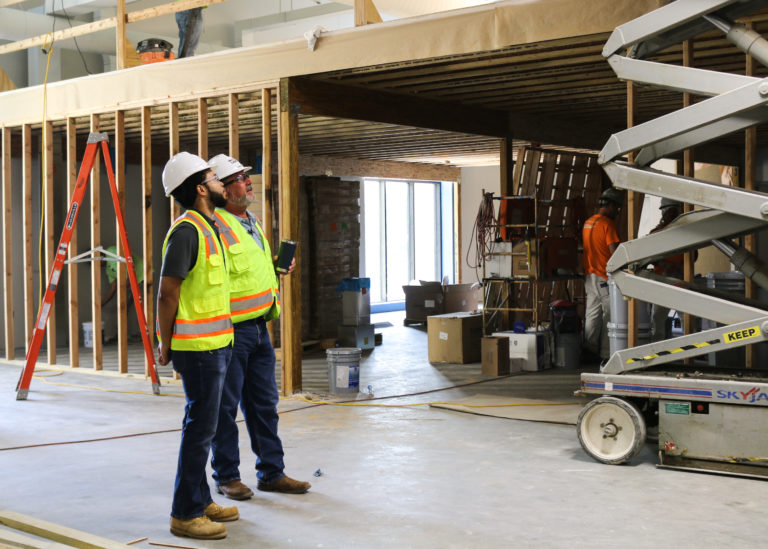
198, 528
216, 512
286, 485
234, 490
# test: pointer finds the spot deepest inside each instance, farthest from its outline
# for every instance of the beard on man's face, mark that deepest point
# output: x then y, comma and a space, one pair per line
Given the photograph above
217, 199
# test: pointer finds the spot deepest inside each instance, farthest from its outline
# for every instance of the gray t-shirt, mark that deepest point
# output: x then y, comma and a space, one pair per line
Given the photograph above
181, 250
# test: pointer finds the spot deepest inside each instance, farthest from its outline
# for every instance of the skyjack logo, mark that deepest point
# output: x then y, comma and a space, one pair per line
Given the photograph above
753, 395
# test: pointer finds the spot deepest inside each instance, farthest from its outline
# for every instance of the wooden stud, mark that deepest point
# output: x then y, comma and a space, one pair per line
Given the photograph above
366, 13
122, 275
127, 56
507, 165
173, 142
10, 353
266, 178
120, 35
29, 256
290, 327
750, 165
234, 126
688, 171
202, 128
634, 207
95, 189
146, 186
50, 246
72, 251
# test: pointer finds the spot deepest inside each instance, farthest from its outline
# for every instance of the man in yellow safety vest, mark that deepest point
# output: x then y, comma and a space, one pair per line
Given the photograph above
250, 380
195, 332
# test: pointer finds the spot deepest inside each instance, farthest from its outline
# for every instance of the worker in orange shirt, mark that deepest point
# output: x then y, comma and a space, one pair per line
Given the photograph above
671, 266
600, 241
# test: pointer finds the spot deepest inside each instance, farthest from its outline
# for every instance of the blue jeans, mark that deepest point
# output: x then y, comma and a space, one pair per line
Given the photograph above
190, 23
250, 382
202, 374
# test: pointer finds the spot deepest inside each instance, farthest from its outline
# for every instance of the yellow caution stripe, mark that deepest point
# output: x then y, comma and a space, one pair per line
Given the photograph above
673, 351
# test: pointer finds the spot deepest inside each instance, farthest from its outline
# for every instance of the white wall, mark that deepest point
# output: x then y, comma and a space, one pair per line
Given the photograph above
474, 181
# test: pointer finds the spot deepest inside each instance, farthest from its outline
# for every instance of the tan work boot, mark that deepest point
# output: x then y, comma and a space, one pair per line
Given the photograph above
286, 485
216, 512
198, 528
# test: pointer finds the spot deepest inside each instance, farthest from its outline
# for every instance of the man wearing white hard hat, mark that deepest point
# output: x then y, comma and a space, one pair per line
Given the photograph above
250, 380
195, 332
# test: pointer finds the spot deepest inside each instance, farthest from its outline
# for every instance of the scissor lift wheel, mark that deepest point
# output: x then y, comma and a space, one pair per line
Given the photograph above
611, 430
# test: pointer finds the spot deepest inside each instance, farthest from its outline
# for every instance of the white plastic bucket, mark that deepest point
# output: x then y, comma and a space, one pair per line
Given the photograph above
88, 334
343, 369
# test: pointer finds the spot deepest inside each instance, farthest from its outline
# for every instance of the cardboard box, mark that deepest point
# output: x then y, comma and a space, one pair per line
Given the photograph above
423, 301
530, 351
455, 337
495, 356
361, 337
461, 297
524, 259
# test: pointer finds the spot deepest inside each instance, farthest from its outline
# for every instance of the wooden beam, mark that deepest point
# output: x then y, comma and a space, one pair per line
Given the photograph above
506, 166
72, 251
146, 187
126, 52
10, 353
29, 257
750, 166
634, 208
366, 13
120, 36
173, 143
95, 188
104, 24
55, 532
288, 136
266, 180
353, 167
122, 275
688, 171
50, 247
341, 101
234, 126
202, 128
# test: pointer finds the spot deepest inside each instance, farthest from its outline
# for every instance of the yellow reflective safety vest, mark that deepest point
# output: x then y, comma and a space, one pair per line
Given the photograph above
203, 320
252, 278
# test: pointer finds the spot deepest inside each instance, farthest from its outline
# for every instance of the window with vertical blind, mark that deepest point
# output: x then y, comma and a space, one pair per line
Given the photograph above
405, 234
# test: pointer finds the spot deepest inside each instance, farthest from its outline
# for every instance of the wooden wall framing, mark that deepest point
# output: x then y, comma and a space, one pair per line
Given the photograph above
145, 157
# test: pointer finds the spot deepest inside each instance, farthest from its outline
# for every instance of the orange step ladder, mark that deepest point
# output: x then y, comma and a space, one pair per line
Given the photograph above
91, 150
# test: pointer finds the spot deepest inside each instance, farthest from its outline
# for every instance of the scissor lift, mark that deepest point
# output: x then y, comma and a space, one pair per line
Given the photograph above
708, 419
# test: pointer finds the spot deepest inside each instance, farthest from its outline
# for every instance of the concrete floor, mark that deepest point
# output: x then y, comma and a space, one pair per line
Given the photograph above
417, 477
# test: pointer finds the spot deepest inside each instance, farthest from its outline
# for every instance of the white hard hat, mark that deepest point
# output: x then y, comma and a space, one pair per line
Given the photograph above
224, 166
179, 168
